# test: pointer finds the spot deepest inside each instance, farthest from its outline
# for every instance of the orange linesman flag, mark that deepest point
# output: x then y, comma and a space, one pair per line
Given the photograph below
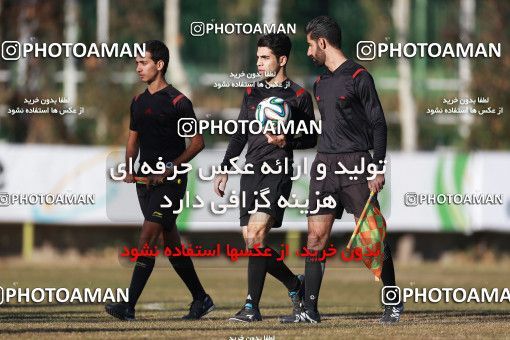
370, 239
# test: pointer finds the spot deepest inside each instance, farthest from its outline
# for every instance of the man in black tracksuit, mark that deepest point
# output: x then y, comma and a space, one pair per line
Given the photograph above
272, 55
352, 124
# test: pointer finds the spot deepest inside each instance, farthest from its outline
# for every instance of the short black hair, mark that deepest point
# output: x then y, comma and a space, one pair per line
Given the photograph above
279, 43
158, 51
325, 27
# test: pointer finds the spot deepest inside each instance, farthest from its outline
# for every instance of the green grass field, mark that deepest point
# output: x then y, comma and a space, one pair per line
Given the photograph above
349, 303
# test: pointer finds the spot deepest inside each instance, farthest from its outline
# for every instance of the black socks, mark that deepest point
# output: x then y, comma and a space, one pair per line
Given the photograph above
142, 271
388, 272
184, 268
314, 270
281, 272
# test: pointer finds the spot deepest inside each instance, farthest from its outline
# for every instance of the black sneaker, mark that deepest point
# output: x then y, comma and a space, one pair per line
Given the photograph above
297, 296
392, 314
122, 311
247, 314
305, 317
199, 308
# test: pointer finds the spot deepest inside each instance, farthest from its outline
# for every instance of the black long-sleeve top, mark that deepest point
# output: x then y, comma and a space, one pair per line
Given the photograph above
259, 150
351, 113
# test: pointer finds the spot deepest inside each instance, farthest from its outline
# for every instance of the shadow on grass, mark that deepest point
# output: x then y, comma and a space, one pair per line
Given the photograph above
101, 319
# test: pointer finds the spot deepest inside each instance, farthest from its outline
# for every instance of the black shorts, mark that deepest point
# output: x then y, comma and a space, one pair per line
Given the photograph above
151, 199
350, 193
278, 185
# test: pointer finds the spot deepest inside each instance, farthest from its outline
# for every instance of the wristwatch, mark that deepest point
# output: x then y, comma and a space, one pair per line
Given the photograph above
169, 165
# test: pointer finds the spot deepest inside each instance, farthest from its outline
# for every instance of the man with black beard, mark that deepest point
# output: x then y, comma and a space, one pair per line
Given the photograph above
353, 123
